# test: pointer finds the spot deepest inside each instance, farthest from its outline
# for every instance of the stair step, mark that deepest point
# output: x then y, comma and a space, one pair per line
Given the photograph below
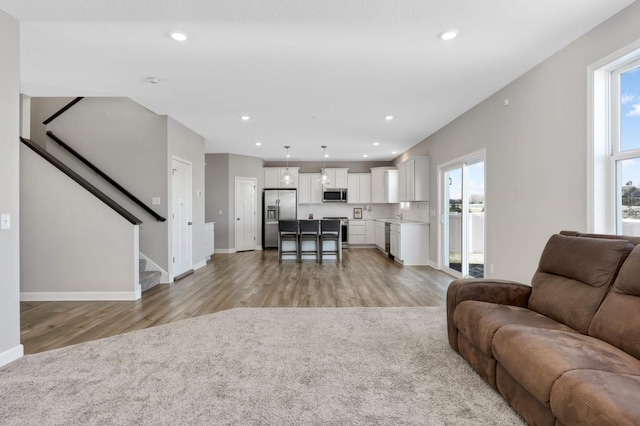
143, 265
149, 279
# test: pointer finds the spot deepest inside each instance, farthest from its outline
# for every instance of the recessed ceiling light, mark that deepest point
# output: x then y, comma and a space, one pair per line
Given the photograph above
152, 80
326, 155
245, 118
288, 155
179, 35
394, 152
365, 155
258, 143
448, 35
376, 143
389, 117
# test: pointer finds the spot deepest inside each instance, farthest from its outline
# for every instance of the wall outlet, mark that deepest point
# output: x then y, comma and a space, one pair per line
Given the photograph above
491, 269
155, 201
219, 212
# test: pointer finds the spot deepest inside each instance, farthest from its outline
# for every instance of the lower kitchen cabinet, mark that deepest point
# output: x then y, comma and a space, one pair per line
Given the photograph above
379, 235
370, 232
409, 243
357, 231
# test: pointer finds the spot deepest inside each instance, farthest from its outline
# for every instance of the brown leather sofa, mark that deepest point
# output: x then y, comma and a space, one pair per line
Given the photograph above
565, 350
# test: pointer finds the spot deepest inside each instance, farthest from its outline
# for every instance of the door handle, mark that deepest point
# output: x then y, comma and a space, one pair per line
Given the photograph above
238, 219
189, 223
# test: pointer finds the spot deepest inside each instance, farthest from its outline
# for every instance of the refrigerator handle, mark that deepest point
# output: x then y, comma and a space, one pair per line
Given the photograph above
278, 209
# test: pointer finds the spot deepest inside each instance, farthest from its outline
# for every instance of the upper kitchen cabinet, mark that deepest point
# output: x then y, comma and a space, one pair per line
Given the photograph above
273, 177
338, 178
309, 188
359, 188
384, 185
413, 179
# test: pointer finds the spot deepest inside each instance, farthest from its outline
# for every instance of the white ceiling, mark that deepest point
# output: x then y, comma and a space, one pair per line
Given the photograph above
307, 72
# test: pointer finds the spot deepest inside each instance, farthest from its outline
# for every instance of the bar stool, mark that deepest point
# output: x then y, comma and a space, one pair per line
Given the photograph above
287, 231
330, 231
309, 231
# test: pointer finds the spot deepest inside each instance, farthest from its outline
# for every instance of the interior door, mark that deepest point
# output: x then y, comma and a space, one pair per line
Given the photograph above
462, 236
181, 216
246, 217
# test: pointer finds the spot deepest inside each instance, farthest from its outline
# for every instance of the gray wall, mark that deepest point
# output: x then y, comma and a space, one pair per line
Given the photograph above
72, 245
41, 109
217, 197
129, 143
221, 171
10, 348
536, 169
188, 145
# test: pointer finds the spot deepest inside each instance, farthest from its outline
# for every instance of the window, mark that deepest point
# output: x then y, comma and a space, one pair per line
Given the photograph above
615, 169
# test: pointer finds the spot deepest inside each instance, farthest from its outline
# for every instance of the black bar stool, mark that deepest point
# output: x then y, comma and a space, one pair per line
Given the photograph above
330, 231
287, 231
309, 231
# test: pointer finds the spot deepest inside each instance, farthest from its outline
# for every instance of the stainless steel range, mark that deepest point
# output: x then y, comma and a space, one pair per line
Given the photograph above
344, 222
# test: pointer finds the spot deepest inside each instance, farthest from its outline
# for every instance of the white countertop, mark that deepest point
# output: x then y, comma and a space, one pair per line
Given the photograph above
404, 221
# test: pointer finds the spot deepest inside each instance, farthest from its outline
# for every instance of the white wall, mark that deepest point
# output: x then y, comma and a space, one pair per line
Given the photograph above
536, 178
73, 246
10, 347
188, 145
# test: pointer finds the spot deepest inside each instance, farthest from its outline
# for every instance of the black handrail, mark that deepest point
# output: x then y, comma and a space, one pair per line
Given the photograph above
81, 181
105, 177
62, 110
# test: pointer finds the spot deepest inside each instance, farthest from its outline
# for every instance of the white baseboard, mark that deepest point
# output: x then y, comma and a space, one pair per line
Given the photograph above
199, 265
78, 296
434, 265
153, 266
225, 251
11, 355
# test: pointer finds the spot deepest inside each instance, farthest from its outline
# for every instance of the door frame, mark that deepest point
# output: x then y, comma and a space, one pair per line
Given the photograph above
189, 164
474, 157
235, 211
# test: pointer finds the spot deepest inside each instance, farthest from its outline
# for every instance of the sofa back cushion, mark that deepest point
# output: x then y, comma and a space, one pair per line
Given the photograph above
574, 275
618, 318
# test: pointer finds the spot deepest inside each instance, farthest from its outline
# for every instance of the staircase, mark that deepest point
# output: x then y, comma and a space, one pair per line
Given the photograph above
148, 279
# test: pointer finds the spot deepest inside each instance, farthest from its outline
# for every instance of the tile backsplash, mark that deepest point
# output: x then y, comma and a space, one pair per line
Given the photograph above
417, 211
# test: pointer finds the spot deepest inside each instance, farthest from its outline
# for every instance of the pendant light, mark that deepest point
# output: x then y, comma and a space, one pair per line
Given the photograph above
287, 177
324, 178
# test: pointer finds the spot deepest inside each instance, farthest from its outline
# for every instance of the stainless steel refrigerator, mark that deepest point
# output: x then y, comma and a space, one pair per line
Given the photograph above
278, 204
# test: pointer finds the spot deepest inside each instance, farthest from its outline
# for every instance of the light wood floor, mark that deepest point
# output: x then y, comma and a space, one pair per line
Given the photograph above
249, 279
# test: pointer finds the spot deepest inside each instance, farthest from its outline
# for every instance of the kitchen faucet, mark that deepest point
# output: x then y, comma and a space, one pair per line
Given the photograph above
400, 216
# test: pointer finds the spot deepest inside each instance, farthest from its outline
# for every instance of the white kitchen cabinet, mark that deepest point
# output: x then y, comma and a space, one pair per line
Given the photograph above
410, 243
338, 177
273, 177
413, 179
357, 231
379, 235
384, 185
309, 189
370, 232
359, 188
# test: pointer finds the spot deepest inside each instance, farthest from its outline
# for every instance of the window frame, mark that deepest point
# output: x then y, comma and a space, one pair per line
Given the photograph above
603, 120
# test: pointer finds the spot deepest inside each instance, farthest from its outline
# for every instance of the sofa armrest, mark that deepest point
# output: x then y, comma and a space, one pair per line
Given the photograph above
484, 290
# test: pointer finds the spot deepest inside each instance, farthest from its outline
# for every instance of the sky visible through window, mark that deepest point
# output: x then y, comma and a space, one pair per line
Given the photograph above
630, 123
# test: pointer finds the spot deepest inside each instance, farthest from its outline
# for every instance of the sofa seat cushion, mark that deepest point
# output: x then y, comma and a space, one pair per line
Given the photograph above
596, 398
537, 357
479, 321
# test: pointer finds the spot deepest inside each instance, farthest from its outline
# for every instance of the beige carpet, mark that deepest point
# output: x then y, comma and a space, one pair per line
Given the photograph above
259, 366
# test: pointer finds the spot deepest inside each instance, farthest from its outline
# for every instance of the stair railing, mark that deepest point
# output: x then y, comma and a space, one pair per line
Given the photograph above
105, 176
62, 110
81, 181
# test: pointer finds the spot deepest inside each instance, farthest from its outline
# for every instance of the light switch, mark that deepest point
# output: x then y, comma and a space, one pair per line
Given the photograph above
155, 201
5, 221
219, 212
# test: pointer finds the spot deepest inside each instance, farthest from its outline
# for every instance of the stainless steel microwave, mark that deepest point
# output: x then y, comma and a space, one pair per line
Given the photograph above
334, 196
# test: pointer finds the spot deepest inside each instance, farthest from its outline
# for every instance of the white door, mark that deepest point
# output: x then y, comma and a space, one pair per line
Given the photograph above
181, 216
246, 218
462, 207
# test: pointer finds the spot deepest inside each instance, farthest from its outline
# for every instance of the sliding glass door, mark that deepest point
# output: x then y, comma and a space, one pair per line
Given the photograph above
462, 216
